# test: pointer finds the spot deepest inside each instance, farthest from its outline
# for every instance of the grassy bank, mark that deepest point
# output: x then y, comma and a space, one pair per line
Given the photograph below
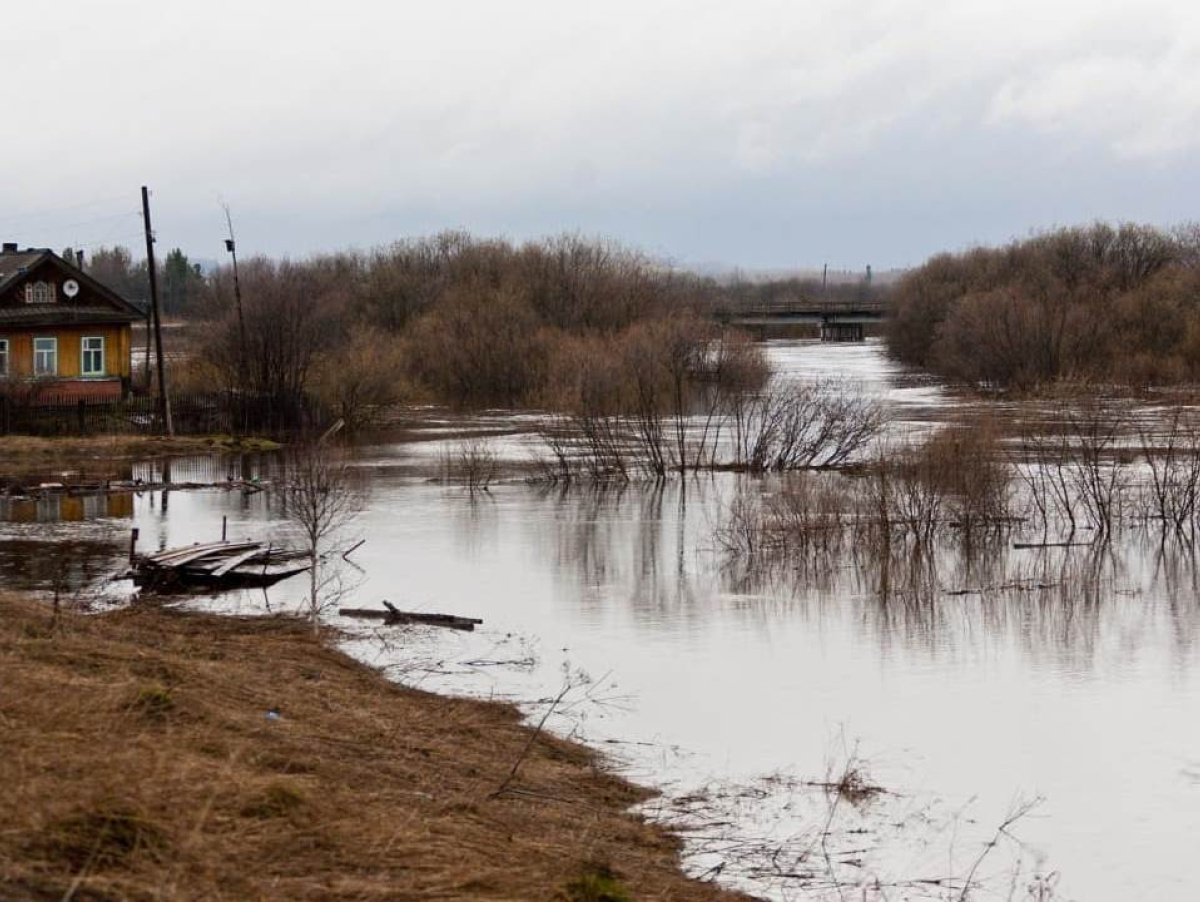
138, 760
25, 453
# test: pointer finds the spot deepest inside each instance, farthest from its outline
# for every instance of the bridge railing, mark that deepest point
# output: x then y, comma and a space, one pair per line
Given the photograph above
794, 305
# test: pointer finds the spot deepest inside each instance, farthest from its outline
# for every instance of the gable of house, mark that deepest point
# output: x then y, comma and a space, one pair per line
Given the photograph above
39, 288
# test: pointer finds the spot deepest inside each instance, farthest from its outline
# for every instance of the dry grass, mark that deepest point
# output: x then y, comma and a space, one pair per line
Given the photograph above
138, 761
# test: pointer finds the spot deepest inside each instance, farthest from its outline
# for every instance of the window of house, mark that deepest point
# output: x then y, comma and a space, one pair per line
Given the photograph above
39, 293
3, 357
92, 353
45, 356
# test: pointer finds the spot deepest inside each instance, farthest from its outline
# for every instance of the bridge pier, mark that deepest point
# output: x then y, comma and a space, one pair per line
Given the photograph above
841, 331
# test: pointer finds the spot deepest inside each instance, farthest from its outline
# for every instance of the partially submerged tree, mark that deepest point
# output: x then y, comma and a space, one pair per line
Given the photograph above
321, 498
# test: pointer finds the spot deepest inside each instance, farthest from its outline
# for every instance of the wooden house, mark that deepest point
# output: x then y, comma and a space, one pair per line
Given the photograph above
62, 333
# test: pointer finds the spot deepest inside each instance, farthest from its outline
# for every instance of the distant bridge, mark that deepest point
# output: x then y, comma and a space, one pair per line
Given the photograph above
839, 320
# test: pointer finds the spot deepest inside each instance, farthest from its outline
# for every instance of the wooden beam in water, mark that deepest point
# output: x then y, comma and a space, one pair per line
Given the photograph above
393, 615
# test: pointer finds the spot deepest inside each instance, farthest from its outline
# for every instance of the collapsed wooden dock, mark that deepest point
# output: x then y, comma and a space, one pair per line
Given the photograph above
216, 565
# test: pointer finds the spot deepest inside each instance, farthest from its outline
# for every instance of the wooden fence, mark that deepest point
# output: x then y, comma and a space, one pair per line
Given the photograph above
216, 413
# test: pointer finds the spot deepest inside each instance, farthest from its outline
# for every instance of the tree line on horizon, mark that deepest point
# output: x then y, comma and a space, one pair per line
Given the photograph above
1118, 304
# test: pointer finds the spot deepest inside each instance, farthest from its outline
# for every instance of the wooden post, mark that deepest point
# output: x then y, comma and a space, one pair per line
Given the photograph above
224, 524
133, 537
164, 402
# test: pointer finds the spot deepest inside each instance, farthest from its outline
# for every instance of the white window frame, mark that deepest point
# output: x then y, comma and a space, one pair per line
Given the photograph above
40, 293
84, 351
37, 370
3, 357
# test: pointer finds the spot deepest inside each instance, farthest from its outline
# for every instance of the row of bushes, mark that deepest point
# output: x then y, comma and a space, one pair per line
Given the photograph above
459, 321
1116, 303
1092, 468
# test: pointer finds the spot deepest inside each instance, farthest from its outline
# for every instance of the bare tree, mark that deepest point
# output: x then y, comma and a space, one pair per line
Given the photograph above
321, 498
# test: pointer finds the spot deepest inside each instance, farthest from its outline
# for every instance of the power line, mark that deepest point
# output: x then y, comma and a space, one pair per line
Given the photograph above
104, 240
128, 214
63, 226
51, 211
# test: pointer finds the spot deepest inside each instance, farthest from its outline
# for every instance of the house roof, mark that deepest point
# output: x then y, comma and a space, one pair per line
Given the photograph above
16, 265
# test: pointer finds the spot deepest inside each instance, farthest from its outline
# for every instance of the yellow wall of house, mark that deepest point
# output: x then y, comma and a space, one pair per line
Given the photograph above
70, 345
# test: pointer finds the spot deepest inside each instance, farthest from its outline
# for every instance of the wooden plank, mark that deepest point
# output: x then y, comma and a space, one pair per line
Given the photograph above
237, 560
218, 549
175, 552
204, 551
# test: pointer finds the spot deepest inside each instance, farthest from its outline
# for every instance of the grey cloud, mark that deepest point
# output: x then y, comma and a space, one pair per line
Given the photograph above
760, 133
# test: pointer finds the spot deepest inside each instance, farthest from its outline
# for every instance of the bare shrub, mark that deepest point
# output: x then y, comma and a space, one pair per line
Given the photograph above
734, 365
1099, 465
1045, 466
292, 316
1171, 449
648, 400
957, 478
1076, 469
479, 347
811, 513
320, 498
818, 424
404, 280
364, 379
560, 464
907, 492
590, 386
472, 462
967, 462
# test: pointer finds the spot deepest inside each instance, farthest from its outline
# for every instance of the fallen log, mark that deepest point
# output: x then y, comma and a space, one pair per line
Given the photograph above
1025, 546
391, 615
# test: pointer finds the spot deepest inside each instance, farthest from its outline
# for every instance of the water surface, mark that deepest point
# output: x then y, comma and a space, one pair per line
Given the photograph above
696, 675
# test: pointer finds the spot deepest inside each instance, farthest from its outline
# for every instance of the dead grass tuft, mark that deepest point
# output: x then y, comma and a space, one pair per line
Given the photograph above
598, 883
103, 837
153, 702
277, 800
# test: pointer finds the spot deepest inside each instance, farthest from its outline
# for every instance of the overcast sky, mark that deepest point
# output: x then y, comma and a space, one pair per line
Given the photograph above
751, 133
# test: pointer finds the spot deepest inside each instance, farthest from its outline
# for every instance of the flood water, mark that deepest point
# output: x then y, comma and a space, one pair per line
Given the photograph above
696, 676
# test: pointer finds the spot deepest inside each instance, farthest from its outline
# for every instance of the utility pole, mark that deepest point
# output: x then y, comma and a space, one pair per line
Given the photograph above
164, 402
824, 277
231, 248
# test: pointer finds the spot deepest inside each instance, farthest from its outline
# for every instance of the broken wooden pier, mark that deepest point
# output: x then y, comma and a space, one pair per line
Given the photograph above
216, 565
